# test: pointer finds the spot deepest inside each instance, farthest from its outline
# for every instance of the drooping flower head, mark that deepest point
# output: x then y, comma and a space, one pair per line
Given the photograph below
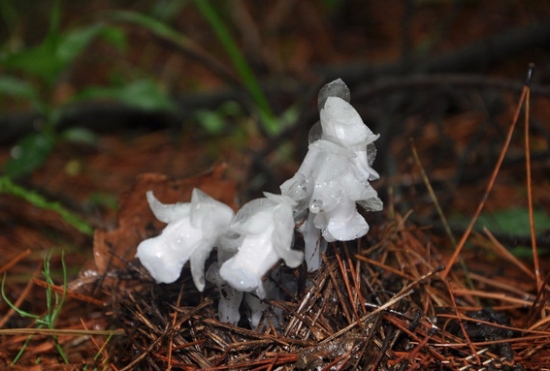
263, 229
334, 175
193, 230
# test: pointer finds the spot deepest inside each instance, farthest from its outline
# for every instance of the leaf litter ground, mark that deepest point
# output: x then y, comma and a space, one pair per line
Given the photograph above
381, 302
377, 303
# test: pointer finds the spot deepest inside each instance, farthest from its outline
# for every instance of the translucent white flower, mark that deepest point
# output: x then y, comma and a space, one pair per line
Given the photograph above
327, 186
263, 229
342, 125
334, 176
193, 230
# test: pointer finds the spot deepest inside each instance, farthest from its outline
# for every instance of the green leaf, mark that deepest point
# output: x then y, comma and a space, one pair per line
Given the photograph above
213, 122
79, 135
15, 87
37, 61
157, 27
49, 59
265, 113
268, 119
74, 42
35, 199
55, 19
142, 94
29, 154
512, 221
115, 36
167, 10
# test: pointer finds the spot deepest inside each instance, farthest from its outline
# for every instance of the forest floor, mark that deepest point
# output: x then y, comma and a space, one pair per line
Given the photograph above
440, 79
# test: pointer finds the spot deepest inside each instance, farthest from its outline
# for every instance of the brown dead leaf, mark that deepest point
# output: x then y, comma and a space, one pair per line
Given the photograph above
115, 248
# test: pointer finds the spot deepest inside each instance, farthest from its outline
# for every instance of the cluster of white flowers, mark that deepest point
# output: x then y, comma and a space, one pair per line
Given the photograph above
249, 244
334, 176
321, 198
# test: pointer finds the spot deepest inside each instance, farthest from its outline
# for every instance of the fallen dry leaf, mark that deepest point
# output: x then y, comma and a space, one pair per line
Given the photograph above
115, 248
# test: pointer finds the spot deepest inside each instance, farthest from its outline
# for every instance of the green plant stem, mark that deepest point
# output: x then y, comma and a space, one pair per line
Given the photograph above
52, 312
251, 83
8, 187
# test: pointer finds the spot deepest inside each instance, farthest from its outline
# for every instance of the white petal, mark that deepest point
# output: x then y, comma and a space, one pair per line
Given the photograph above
208, 213
342, 124
191, 234
371, 204
280, 199
255, 257
346, 229
253, 218
167, 213
283, 234
165, 255
161, 264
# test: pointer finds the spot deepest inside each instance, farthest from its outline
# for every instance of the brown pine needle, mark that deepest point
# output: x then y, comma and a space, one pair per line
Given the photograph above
530, 193
386, 267
70, 293
504, 253
337, 288
15, 260
461, 324
494, 295
430, 189
496, 170
348, 288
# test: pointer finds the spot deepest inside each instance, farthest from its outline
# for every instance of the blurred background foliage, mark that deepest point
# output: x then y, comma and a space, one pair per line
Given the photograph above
239, 79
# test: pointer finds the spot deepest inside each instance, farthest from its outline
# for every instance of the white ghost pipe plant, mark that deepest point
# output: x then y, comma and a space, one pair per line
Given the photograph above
264, 231
193, 230
334, 176
321, 198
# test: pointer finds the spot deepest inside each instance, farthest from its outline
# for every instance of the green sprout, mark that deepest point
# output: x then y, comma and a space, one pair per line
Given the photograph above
35, 199
54, 303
